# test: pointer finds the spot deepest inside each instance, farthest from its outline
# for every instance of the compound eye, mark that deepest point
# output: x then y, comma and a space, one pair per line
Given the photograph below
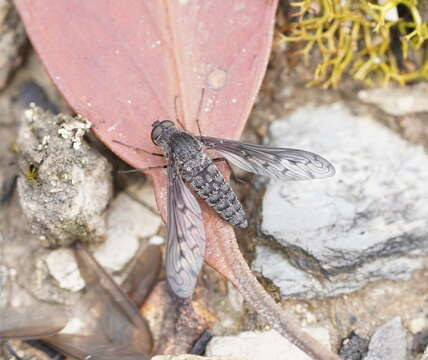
158, 128
156, 132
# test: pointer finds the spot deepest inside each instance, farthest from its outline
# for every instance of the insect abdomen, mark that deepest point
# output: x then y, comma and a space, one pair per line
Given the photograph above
217, 193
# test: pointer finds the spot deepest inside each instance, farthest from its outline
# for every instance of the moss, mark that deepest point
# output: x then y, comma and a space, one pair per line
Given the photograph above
356, 37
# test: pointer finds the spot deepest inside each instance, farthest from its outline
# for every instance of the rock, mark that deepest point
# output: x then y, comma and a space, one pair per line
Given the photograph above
128, 222
425, 356
416, 325
7, 188
66, 186
144, 193
4, 275
156, 240
264, 345
12, 40
420, 342
296, 283
31, 92
388, 342
194, 357
63, 267
367, 223
354, 347
397, 101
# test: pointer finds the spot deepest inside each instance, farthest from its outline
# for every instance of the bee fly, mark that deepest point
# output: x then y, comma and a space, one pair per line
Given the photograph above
187, 162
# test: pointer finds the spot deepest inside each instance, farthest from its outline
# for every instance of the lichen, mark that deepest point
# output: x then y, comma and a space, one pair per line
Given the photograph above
356, 37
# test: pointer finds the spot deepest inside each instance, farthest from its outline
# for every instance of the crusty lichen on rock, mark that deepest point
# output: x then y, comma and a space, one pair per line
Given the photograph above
67, 198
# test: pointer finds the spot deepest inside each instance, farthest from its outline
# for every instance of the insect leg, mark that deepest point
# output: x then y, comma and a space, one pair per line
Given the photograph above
142, 169
176, 113
197, 116
137, 148
232, 173
219, 159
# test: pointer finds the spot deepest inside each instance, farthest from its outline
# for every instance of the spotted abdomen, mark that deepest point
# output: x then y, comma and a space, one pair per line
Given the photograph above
211, 186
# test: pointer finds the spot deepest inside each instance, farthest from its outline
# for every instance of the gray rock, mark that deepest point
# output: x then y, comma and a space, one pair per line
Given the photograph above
397, 101
388, 342
4, 275
128, 221
354, 347
63, 267
12, 40
260, 346
418, 324
419, 342
369, 222
66, 186
296, 283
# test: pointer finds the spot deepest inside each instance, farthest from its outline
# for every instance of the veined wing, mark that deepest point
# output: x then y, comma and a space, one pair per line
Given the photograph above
274, 162
186, 236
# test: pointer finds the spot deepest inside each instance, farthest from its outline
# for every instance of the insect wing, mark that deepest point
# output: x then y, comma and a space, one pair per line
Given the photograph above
186, 236
274, 162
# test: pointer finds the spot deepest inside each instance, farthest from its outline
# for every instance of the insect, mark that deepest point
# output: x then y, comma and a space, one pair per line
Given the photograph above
188, 162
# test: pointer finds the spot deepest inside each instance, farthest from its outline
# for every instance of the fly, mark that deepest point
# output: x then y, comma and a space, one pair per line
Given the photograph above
188, 162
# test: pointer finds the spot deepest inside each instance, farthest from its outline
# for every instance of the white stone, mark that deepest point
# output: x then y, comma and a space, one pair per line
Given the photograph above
295, 283
397, 101
62, 266
156, 240
143, 193
368, 220
417, 324
388, 342
128, 221
262, 345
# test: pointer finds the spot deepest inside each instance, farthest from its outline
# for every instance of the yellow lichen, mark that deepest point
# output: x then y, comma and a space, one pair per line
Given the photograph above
354, 37
32, 173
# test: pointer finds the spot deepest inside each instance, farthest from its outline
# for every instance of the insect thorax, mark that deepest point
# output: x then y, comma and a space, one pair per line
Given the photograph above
183, 147
199, 171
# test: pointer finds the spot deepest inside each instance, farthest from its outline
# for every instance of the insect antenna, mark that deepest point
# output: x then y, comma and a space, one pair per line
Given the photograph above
177, 119
201, 100
137, 148
141, 169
